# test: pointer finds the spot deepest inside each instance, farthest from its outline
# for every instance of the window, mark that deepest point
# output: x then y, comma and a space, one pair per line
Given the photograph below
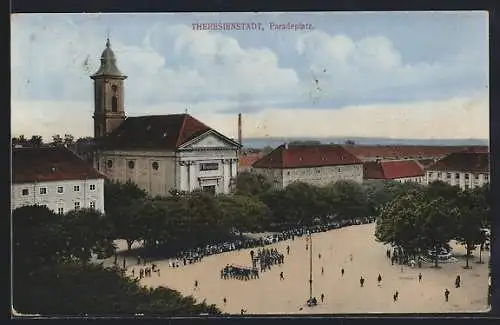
209, 166
486, 177
457, 175
430, 174
131, 164
466, 176
448, 175
77, 205
92, 187
288, 173
476, 176
60, 189
92, 204
60, 210
438, 175
76, 188
110, 163
155, 165
209, 189
43, 190
466, 186
25, 191
318, 171
114, 104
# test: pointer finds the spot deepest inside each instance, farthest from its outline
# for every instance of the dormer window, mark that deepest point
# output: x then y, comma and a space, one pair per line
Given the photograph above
110, 163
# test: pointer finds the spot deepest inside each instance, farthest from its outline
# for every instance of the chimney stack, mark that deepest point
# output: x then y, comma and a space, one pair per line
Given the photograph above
239, 129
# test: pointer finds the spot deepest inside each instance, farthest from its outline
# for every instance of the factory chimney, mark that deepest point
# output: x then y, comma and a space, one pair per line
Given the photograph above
239, 129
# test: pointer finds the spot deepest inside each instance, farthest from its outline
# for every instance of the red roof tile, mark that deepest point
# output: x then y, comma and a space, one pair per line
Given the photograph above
400, 152
305, 156
392, 169
47, 164
474, 162
247, 160
155, 132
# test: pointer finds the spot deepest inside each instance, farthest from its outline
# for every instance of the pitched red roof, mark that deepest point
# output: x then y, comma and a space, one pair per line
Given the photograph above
306, 156
247, 160
392, 169
47, 164
401, 152
466, 161
155, 132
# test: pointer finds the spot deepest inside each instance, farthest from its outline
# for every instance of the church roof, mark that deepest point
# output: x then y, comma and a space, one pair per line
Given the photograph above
306, 156
46, 164
154, 132
108, 66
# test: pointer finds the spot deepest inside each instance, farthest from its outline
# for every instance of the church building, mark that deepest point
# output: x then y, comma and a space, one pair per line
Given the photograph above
160, 153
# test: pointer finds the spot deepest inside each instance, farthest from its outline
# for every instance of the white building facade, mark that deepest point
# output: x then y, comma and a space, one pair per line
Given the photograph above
55, 177
60, 196
468, 169
464, 180
315, 165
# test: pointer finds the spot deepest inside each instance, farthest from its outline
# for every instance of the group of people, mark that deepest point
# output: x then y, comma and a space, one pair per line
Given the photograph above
267, 257
145, 271
239, 273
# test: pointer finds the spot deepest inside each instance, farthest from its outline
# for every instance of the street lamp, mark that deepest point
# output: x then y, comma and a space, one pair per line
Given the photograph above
311, 301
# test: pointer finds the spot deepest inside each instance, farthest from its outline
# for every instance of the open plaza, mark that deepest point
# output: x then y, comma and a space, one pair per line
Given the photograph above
353, 249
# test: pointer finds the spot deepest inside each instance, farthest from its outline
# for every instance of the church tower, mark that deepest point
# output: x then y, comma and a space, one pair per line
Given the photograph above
109, 111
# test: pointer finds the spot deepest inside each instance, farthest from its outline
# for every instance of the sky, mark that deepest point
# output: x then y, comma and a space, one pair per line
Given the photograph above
414, 75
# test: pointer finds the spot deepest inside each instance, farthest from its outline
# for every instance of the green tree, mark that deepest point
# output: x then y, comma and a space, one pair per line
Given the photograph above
248, 183
35, 141
57, 141
37, 237
128, 221
91, 290
439, 225
469, 223
87, 231
244, 213
348, 199
400, 223
117, 194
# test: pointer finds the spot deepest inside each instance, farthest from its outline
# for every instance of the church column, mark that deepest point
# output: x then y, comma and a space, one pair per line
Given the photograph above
188, 175
234, 168
182, 176
192, 176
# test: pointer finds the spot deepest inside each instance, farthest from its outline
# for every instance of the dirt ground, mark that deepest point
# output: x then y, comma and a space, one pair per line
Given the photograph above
269, 295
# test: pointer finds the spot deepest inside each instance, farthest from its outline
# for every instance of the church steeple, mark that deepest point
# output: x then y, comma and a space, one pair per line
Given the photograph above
109, 111
108, 63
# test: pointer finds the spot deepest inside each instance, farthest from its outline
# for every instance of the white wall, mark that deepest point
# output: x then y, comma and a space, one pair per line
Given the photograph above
417, 179
318, 176
54, 200
464, 180
191, 177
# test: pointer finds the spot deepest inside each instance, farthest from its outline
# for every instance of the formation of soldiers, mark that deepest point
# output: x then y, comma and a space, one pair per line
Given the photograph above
267, 257
239, 273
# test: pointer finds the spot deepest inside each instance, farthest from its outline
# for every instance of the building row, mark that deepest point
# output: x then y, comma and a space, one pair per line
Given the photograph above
466, 167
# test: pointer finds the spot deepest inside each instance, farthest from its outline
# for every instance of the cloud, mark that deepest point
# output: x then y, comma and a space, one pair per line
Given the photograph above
371, 69
319, 84
455, 118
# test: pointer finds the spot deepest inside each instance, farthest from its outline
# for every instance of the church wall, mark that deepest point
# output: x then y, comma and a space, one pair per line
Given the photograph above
152, 171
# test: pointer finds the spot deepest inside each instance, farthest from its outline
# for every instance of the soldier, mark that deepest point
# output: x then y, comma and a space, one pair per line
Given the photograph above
446, 294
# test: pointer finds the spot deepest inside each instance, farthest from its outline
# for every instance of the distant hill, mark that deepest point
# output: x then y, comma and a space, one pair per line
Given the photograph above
274, 142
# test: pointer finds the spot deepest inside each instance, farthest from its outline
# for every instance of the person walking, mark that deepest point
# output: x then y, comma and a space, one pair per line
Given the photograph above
342, 272
361, 281
379, 279
457, 282
322, 297
282, 277
419, 277
224, 301
322, 271
288, 250
195, 284
395, 296
446, 294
